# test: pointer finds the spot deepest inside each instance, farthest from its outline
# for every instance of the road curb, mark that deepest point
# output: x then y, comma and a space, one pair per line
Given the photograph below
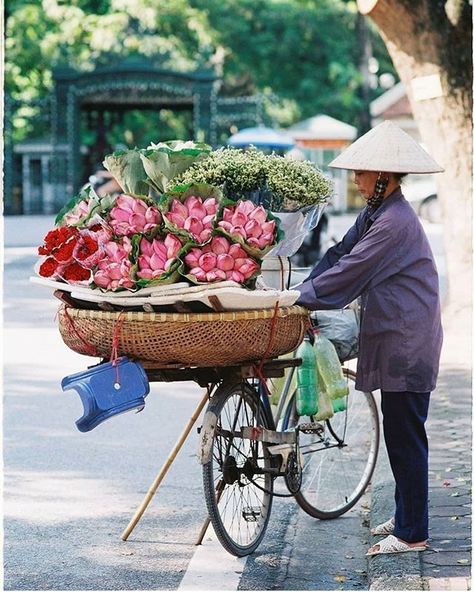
389, 572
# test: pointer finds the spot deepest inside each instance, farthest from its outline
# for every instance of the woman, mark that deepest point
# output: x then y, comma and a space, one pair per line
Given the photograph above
385, 259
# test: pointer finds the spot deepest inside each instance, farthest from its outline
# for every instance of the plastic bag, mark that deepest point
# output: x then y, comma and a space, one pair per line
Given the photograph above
341, 327
296, 226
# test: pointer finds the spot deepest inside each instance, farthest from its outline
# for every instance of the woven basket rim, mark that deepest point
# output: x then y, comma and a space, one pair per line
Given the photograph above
166, 317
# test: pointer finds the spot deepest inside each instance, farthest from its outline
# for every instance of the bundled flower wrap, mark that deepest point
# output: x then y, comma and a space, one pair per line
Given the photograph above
191, 211
219, 260
252, 226
157, 259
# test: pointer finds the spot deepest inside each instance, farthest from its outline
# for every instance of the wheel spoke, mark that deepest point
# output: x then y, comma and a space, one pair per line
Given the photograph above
241, 512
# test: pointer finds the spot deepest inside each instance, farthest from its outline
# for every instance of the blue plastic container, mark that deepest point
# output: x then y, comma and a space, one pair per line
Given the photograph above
107, 390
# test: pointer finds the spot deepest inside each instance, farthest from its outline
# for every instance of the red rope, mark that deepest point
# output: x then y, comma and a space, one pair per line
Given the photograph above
91, 350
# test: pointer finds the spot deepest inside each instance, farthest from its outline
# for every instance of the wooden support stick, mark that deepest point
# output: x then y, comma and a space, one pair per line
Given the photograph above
164, 469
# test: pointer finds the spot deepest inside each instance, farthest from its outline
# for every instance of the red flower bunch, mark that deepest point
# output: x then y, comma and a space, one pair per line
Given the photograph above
70, 253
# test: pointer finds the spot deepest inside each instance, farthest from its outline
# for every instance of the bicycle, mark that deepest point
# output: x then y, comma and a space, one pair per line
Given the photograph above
245, 446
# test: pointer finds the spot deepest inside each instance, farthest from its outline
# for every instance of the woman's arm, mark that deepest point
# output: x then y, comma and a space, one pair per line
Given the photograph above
342, 248
372, 259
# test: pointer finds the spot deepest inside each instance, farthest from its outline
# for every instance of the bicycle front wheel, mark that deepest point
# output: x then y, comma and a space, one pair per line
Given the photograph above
339, 463
237, 488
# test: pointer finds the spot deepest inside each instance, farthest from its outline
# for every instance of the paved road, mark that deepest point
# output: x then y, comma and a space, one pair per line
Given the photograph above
69, 495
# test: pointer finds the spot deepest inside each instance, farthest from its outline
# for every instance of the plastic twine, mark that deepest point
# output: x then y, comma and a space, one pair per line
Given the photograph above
90, 348
115, 343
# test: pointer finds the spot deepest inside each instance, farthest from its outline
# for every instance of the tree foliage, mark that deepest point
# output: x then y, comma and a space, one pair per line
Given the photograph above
304, 51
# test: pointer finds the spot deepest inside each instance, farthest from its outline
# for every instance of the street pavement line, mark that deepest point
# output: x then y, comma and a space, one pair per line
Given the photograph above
212, 567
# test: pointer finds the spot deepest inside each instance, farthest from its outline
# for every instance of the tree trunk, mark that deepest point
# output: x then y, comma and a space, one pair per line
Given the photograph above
429, 37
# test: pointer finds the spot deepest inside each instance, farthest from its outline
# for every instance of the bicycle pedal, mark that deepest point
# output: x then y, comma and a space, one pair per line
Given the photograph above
251, 513
311, 428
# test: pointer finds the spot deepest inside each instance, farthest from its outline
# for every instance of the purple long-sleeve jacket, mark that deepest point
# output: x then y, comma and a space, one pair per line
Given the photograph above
386, 259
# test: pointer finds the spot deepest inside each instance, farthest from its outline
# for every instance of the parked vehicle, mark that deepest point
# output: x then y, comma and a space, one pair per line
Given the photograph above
420, 191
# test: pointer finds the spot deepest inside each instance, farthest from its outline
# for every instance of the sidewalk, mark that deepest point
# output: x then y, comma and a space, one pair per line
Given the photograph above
447, 564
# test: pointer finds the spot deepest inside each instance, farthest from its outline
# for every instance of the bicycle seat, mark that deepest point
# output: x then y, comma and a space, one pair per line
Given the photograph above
107, 390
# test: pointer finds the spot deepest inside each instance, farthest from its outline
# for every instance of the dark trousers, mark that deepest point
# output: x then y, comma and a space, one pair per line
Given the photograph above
404, 416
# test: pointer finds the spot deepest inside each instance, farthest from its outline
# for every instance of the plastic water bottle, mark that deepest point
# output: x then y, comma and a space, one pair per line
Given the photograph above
329, 368
325, 405
307, 380
339, 404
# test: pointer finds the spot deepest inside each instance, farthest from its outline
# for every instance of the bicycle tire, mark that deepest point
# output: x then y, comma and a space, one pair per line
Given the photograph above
237, 405
327, 492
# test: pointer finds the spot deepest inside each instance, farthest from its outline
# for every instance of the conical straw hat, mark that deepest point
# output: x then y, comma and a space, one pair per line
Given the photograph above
386, 148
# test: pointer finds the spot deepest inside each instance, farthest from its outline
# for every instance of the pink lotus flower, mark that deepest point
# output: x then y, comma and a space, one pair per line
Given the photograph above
114, 268
79, 212
157, 256
250, 223
195, 216
132, 215
220, 260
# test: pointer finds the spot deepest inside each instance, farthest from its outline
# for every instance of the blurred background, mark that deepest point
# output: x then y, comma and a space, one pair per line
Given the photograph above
89, 76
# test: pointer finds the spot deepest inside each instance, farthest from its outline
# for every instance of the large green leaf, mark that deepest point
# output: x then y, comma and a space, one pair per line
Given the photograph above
164, 161
127, 168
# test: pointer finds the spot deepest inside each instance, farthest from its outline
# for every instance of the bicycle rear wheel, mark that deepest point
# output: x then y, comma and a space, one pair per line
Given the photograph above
339, 463
238, 494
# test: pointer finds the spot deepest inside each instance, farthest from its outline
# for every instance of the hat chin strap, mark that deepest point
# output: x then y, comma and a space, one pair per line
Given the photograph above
376, 199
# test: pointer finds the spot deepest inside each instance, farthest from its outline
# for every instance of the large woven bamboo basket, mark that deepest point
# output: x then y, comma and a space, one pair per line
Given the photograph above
194, 339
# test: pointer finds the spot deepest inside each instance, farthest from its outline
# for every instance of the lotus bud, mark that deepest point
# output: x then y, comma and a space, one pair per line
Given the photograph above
198, 211
137, 222
265, 240
253, 229
215, 275
259, 214
157, 262
227, 226
198, 273
208, 220
192, 258
152, 215
193, 225
227, 215
225, 262
178, 208
239, 219
205, 235
236, 251
268, 227
249, 268
211, 205
253, 242
236, 276
173, 245
191, 201
159, 249
240, 230
207, 261
125, 202
245, 206
146, 247
145, 274
177, 220
220, 245
120, 214
240, 261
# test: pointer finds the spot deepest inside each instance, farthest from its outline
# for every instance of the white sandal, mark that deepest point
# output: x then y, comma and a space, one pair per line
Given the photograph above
391, 544
384, 528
